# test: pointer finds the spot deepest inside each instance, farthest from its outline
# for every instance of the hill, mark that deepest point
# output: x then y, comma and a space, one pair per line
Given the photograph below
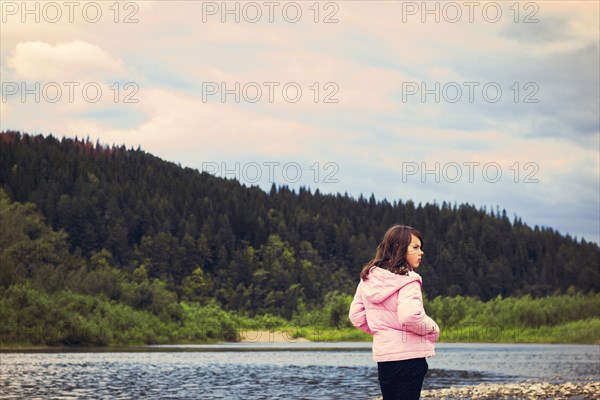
207, 237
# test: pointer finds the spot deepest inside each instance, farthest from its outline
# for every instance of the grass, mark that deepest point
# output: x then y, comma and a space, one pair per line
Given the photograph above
574, 332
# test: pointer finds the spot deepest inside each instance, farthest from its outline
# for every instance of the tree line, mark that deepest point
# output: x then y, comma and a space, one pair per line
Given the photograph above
142, 231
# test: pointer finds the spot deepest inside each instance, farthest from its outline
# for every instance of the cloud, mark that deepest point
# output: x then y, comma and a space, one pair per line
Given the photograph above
208, 130
66, 61
4, 110
369, 53
548, 30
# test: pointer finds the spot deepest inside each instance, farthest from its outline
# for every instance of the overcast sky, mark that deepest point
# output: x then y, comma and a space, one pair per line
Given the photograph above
486, 103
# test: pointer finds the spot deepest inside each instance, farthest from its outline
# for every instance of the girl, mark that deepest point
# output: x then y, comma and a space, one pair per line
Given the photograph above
388, 304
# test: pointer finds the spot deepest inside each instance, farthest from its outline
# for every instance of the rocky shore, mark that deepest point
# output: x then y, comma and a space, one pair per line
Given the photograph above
518, 391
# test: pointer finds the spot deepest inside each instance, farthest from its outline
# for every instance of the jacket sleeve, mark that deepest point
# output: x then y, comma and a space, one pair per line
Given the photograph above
411, 313
357, 314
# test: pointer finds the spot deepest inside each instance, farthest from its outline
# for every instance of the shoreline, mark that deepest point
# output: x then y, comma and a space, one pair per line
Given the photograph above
527, 390
248, 336
261, 336
589, 390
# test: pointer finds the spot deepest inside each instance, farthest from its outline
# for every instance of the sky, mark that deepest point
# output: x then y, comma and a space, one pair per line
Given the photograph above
493, 104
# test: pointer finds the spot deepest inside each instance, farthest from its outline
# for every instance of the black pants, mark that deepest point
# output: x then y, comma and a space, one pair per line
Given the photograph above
402, 380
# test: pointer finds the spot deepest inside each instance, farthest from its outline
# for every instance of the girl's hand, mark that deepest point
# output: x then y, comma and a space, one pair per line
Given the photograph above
435, 331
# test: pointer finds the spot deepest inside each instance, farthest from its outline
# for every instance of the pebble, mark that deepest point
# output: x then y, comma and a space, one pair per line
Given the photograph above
520, 391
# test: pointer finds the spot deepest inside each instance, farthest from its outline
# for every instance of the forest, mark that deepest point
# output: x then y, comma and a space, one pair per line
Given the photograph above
106, 238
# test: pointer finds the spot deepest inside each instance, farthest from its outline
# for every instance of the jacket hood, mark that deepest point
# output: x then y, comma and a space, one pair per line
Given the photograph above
381, 283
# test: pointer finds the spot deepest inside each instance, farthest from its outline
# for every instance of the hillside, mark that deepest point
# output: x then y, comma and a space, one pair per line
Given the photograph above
211, 238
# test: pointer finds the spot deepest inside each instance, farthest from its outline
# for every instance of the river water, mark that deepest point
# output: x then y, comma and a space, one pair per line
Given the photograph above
273, 370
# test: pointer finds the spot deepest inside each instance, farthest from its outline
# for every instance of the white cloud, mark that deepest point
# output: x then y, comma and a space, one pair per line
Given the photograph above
181, 122
4, 110
66, 61
371, 131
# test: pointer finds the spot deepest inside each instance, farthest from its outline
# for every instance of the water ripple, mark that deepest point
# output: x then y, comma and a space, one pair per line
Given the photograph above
265, 374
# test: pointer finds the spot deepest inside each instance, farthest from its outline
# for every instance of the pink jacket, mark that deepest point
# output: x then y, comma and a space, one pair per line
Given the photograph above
390, 307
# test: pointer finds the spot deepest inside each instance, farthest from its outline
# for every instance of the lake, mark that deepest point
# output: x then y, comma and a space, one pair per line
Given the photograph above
314, 370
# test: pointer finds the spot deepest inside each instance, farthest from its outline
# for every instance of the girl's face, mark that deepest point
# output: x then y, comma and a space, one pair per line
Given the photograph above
414, 252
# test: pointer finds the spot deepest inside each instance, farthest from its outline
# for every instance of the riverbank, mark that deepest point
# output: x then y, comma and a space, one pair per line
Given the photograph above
257, 331
85, 320
574, 332
269, 337
528, 390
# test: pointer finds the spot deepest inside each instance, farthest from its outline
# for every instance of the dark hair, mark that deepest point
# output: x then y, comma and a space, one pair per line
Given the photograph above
391, 252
